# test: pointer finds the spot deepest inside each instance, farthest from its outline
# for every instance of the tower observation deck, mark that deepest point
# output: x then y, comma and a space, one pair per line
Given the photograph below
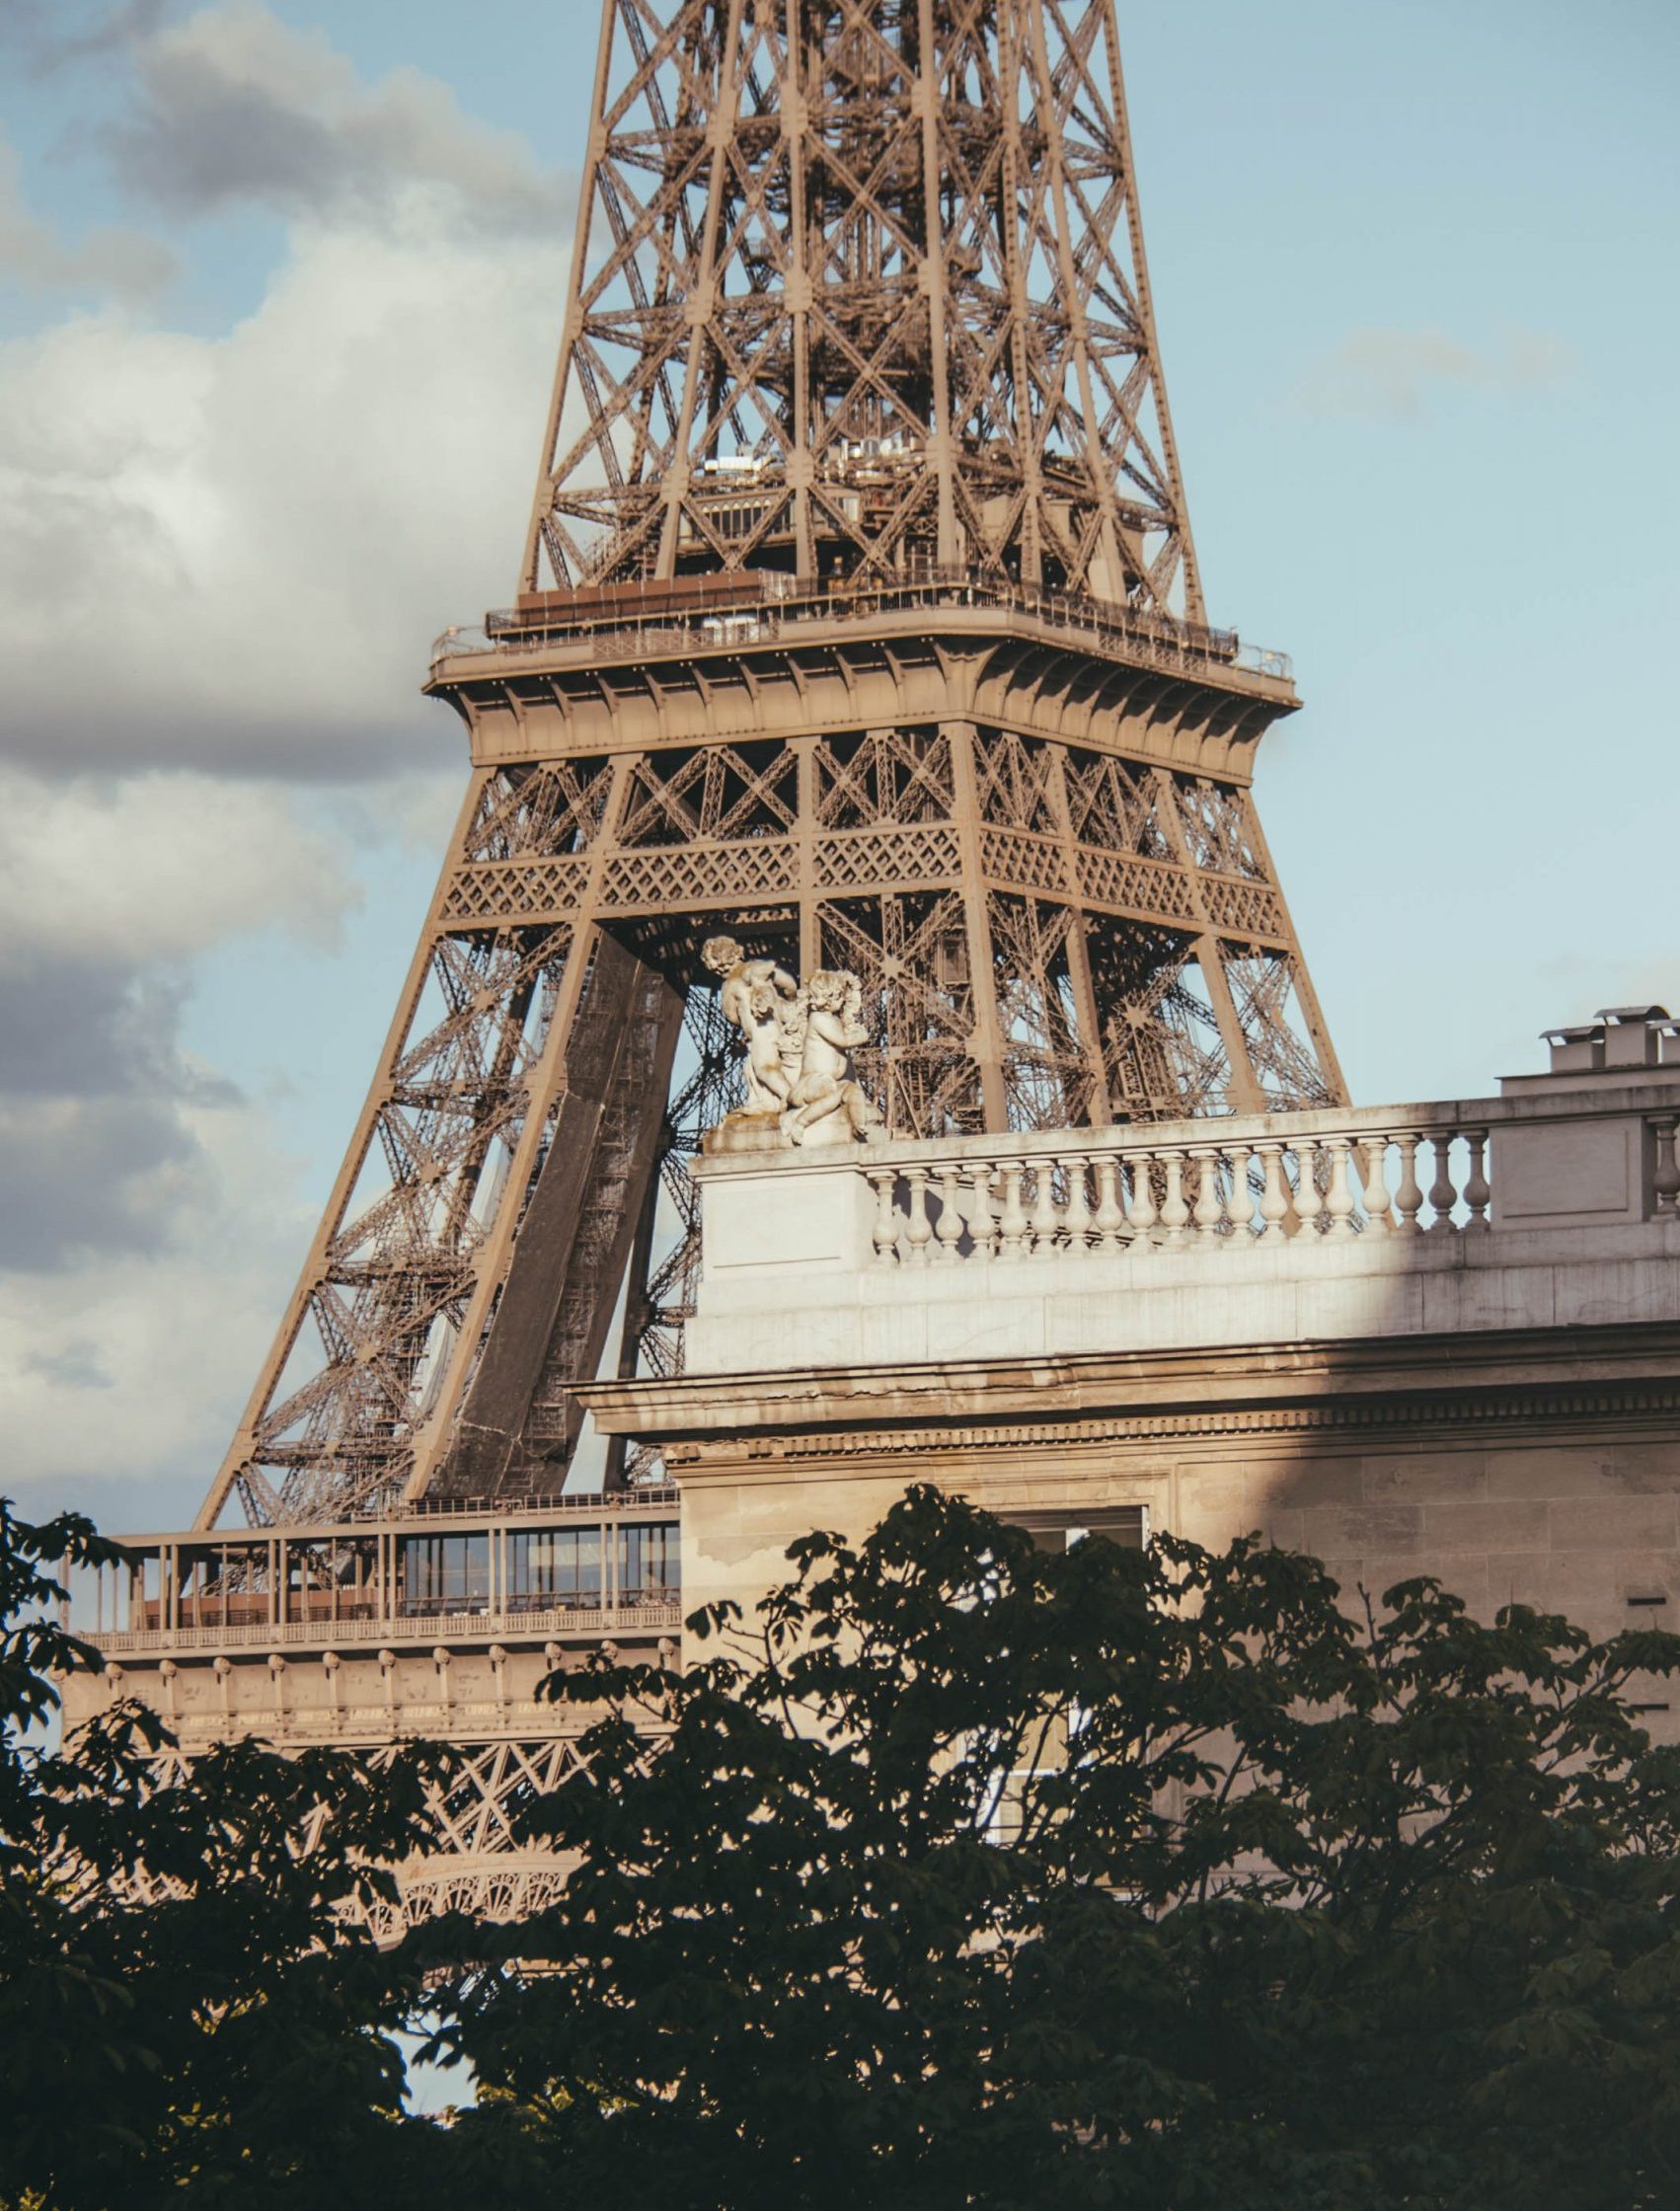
860, 616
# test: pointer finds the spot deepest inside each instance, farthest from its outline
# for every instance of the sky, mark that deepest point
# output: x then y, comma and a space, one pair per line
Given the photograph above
281, 289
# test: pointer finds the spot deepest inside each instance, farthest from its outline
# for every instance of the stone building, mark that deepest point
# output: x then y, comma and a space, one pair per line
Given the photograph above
1461, 1361
1437, 1339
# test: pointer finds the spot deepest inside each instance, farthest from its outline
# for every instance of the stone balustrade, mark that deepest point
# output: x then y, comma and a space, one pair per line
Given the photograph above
1553, 1204
1139, 1194
1547, 1207
1239, 1185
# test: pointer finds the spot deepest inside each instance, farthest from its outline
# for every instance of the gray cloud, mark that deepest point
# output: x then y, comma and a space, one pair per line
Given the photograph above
76, 1366
107, 259
85, 1032
96, 1151
232, 106
1393, 376
107, 891
53, 33
100, 1177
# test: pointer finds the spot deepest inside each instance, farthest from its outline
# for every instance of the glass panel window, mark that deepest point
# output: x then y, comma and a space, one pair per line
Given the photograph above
650, 1568
446, 1573
553, 1569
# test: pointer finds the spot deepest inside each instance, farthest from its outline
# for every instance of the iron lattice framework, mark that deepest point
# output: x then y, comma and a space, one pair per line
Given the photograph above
860, 618
862, 284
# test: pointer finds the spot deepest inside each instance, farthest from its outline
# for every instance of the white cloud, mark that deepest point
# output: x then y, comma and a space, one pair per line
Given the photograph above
158, 867
232, 551
1394, 374
235, 552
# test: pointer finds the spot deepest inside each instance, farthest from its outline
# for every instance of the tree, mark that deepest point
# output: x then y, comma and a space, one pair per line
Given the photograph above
183, 2004
975, 1875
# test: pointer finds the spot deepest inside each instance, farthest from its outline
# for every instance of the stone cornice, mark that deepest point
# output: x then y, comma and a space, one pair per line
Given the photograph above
1134, 1395
1517, 1414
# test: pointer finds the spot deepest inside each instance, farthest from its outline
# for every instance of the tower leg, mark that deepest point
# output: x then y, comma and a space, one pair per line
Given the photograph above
519, 1422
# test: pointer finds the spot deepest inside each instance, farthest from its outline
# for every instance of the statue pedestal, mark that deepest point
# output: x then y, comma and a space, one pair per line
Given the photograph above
746, 1131
822, 1135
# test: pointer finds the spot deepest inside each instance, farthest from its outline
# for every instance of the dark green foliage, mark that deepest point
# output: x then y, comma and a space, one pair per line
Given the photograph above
974, 1876
1300, 1911
182, 2010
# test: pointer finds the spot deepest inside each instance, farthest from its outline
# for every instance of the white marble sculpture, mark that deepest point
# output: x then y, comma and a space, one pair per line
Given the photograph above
762, 1000
827, 1106
799, 1042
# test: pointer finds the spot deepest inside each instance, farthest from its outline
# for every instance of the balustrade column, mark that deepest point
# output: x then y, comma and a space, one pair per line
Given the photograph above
919, 1233
1275, 1195
1077, 1217
981, 1226
1044, 1221
1174, 1211
1443, 1191
1012, 1224
1309, 1198
885, 1234
1144, 1217
1209, 1211
1242, 1206
1109, 1219
1338, 1198
1409, 1197
1375, 1191
947, 1229
1477, 1191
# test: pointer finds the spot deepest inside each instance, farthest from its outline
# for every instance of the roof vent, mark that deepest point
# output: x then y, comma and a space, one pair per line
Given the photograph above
1620, 1036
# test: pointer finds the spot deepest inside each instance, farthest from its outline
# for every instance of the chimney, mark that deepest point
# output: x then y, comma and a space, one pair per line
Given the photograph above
1617, 1044
1638, 1035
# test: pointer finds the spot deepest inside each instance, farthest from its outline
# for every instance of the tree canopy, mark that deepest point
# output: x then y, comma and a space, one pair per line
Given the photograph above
183, 2004
980, 1876
964, 1874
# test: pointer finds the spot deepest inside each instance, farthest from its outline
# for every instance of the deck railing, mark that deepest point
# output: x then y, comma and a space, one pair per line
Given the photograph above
696, 624
390, 1626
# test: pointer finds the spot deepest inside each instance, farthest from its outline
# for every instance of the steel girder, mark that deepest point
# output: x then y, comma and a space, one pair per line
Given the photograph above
860, 299
860, 284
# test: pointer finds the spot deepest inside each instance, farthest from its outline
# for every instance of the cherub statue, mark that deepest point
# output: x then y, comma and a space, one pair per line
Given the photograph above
762, 1000
827, 1106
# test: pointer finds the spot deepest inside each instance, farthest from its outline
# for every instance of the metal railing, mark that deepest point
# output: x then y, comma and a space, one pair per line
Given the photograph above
724, 621
390, 1627
592, 1503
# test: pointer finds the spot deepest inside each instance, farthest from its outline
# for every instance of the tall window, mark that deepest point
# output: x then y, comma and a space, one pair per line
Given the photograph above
650, 1570
446, 1573
553, 1569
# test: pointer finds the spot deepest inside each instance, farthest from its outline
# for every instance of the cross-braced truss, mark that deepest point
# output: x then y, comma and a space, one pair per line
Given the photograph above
860, 320
473, 1860
860, 286
1045, 934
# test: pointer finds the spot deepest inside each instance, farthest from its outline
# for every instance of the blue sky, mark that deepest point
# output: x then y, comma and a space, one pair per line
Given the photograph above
280, 290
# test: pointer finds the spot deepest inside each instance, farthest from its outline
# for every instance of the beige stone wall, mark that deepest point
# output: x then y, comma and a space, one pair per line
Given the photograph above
1499, 1407
1567, 1520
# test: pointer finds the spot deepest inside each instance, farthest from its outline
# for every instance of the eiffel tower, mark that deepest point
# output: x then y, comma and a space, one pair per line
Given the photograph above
860, 616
